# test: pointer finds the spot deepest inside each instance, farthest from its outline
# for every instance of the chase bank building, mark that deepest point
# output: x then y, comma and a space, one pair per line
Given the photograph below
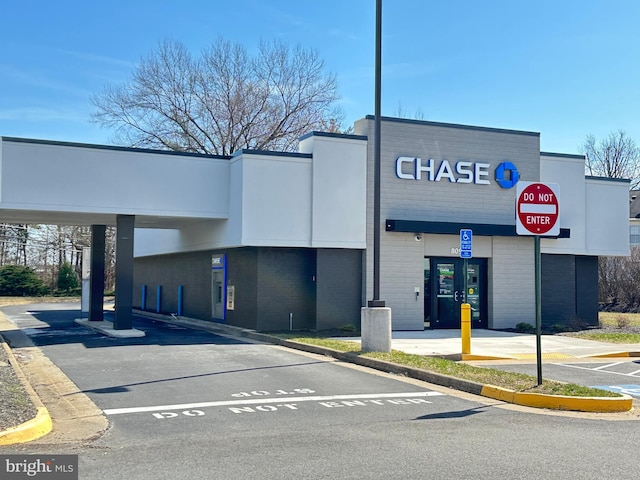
277, 241
296, 249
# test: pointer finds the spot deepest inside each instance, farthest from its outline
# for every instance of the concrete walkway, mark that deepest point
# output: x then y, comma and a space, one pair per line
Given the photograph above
498, 344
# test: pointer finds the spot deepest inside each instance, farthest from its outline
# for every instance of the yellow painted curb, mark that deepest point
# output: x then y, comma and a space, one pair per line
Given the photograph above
468, 357
560, 402
617, 355
32, 429
545, 356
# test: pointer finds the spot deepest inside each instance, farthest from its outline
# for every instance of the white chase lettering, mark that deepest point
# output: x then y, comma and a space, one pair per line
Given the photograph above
413, 168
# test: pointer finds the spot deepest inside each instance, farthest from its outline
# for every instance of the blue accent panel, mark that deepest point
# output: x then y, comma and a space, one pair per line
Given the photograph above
143, 301
158, 298
501, 175
180, 299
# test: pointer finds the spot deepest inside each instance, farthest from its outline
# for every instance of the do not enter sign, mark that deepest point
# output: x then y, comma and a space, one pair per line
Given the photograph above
537, 209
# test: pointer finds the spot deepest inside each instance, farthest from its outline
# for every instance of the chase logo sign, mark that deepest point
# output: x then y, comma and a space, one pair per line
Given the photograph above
507, 175
412, 168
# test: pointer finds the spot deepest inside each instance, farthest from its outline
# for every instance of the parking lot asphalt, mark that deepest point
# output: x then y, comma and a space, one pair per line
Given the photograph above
485, 344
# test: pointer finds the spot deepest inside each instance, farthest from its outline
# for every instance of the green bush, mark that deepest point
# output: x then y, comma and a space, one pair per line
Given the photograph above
348, 327
524, 327
560, 328
72, 292
67, 278
16, 280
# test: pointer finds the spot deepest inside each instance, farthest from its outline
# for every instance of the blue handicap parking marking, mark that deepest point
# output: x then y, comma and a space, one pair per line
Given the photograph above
632, 390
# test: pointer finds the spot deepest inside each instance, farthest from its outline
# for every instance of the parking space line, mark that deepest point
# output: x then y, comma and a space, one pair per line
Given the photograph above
632, 374
601, 367
263, 401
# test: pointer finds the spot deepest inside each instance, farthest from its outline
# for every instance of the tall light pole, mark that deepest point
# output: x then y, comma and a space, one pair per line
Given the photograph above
376, 317
376, 302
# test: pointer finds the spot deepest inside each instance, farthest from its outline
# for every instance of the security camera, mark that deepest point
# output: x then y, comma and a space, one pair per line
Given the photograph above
418, 237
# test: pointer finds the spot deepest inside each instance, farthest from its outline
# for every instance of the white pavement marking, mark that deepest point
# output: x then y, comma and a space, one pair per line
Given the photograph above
601, 367
262, 401
632, 374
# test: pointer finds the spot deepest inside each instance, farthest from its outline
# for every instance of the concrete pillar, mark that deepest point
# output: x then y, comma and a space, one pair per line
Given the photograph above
96, 275
376, 329
124, 272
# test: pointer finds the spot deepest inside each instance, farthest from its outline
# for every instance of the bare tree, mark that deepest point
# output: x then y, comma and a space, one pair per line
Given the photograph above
402, 112
222, 101
617, 156
618, 279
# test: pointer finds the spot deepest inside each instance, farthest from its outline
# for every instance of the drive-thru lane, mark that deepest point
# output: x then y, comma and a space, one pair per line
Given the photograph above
190, 404
177, 378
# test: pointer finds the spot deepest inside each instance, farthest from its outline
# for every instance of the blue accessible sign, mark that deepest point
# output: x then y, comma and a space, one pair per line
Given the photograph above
466, 243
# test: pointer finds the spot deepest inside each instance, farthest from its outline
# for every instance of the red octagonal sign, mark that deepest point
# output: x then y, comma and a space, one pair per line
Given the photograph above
537, 209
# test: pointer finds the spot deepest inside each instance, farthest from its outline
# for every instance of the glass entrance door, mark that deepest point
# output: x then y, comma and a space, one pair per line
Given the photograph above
445, 291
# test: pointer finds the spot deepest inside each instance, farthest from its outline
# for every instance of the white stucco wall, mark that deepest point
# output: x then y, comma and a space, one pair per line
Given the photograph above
339, 190
568, 172
316, 198
596, 210
607, 204
72, 178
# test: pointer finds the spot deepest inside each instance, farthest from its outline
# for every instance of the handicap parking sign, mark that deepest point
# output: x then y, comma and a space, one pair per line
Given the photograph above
466, 243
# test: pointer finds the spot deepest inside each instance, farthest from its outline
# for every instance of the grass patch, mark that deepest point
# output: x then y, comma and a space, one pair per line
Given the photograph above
28, 300
613, 319
609, 337
518, 382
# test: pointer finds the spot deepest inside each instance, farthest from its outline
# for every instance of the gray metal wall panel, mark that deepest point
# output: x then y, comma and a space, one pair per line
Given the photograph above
338, 288
558, 289
285, 286
242, 273
587, 289
192, 271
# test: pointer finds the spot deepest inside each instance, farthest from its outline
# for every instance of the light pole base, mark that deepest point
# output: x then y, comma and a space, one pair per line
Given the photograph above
376, 329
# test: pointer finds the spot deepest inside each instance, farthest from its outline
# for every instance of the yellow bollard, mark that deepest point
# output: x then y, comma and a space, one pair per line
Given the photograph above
465, 327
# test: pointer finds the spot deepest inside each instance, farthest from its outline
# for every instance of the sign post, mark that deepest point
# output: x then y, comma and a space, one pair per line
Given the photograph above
466, 252
537, 214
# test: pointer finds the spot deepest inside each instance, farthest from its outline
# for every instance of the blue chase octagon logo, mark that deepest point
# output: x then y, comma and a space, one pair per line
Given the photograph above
507, 175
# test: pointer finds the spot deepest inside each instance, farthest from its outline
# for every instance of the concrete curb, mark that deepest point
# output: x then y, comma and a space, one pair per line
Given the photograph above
38, 426
560, 402
616, 355
537, 400
106, 327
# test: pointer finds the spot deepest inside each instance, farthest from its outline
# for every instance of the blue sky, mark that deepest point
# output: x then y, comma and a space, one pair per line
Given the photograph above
559, 67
